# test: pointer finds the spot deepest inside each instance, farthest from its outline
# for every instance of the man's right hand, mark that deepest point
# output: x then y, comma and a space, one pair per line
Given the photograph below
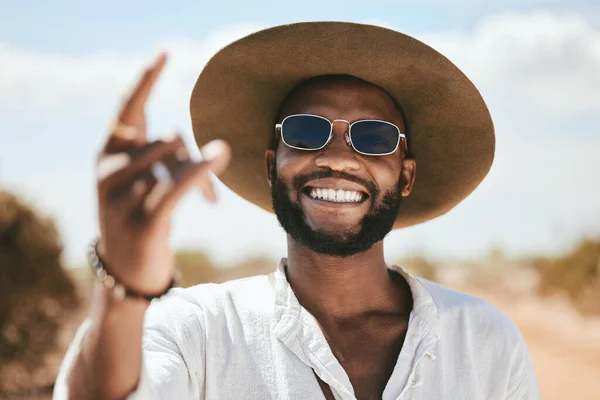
135, 207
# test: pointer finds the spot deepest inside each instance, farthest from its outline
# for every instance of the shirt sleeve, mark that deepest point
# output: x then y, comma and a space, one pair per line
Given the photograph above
523, 380
172, 361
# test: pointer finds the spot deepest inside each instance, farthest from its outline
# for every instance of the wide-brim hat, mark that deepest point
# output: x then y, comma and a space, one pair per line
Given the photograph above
450, 131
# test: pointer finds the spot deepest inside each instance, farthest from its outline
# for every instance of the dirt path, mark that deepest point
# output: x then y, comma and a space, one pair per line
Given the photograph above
563, 372
565, 347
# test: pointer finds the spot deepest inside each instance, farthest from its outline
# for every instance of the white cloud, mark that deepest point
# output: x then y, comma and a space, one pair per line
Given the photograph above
544, 61
550, 60
45, 82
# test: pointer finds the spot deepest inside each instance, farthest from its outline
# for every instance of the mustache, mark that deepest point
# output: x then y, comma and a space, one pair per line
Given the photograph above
300, 181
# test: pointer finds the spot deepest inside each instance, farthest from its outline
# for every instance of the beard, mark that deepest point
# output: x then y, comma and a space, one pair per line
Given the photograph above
374, 227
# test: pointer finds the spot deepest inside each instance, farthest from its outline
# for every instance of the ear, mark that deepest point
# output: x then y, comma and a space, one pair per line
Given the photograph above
409, 172
269, 164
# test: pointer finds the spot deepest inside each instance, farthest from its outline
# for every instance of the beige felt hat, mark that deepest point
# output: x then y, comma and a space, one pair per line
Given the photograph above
450, 131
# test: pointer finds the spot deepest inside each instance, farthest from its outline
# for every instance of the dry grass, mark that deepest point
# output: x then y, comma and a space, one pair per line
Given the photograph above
196, 267
576, 275
421, 266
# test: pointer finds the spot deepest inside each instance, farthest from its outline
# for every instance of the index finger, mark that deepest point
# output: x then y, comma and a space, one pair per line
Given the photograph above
132, 110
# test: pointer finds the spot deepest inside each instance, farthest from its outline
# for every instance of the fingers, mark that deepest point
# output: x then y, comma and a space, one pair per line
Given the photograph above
217, 155
129, 129
131, 185
120, 170
132, 111
144, 195
163, 199
132, 204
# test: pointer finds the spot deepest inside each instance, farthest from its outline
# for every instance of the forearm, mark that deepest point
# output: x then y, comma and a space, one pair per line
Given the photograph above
109, 363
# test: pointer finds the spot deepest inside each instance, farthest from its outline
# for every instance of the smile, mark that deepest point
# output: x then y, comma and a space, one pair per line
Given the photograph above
336, 196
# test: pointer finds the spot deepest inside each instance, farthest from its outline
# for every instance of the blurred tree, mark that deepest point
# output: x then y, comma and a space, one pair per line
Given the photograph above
258, 265
576, 274
420, 266
194, 267
496, 258
35, 295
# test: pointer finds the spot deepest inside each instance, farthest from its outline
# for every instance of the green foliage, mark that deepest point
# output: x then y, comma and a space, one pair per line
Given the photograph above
576, 274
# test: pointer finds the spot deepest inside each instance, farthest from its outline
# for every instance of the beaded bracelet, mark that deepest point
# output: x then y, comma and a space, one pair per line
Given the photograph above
118, 290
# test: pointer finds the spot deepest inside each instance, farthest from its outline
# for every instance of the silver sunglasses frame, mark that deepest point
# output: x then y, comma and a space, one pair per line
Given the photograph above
347, 136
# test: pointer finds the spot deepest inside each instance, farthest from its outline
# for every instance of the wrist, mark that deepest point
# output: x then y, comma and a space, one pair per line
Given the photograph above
118, 290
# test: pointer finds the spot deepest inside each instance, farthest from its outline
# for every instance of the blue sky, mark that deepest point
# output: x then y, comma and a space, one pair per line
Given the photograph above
80, 27
64, 66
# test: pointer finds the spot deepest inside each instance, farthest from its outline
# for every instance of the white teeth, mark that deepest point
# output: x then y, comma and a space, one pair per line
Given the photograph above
338, 196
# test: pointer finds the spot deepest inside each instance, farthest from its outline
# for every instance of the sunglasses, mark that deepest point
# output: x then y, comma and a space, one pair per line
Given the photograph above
370, 137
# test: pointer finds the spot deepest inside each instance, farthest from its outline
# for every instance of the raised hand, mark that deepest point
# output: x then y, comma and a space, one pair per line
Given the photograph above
140, 182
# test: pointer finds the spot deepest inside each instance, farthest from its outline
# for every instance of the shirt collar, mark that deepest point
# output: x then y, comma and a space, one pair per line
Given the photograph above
287, 307
423, 304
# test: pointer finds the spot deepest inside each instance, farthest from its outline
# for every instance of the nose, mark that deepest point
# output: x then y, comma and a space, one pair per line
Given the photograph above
338, 155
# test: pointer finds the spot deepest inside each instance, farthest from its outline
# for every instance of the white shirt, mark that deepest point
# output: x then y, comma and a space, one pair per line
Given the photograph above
251, 339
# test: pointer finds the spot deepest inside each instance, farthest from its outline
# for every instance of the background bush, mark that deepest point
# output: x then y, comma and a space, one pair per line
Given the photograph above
576, 274
35, 294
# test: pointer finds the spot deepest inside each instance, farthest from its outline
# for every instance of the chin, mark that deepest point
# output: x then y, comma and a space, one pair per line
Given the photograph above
335, 228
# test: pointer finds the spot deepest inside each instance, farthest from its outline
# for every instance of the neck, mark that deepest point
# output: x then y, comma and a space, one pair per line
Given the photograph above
341, 288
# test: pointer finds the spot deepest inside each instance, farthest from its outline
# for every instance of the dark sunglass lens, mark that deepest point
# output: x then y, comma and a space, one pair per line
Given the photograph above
374, 137
305, 131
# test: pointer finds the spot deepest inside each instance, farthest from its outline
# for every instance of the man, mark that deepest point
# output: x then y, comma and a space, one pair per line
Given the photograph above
338, 115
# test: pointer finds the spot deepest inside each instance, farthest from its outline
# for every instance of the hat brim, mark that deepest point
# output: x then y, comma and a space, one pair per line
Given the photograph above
240, 90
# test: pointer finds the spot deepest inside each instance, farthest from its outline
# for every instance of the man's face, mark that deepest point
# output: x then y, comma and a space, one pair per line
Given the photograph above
332, 227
